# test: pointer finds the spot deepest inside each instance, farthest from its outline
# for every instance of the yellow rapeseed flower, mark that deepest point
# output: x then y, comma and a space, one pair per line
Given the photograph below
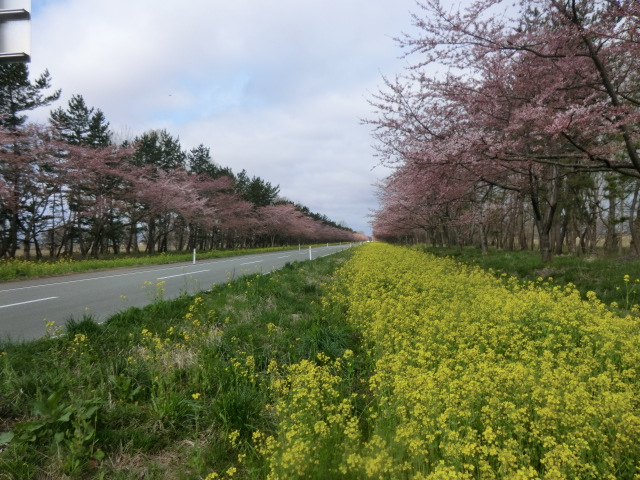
472, 377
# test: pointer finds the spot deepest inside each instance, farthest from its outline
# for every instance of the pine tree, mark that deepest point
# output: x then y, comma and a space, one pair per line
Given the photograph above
158, 148
81, 125
18, 94
255, 190
200, 163
99, 133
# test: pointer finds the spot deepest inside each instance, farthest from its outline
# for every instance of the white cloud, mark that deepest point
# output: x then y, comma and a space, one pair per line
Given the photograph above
277, 87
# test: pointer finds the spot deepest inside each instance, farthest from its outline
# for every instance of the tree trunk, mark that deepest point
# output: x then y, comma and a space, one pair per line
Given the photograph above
151, 241
612, 241
634, 222
544, 217
37, 247
522, 235
26, 246
545, 243
561, 234
483, 239
13, 235
97, 240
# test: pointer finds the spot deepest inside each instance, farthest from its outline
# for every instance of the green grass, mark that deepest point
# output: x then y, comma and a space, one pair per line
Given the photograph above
600, 274
174, 390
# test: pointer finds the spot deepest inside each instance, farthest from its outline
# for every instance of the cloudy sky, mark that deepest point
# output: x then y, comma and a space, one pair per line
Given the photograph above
277, 87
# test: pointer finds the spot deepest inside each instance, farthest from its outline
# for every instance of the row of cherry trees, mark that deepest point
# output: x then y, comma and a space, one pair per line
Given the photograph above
68, 189
514, 119
67, 199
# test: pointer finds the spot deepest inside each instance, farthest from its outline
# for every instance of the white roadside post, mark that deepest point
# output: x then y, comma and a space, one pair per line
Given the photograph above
310, 253
194, 256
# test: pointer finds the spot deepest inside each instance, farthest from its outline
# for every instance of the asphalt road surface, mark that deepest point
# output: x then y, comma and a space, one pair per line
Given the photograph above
26, 306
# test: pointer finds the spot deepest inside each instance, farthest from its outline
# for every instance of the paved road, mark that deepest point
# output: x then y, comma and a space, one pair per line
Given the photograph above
26, 306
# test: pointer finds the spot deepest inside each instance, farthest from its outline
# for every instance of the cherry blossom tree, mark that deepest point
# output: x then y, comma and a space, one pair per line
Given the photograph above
95, 185
530, 96
88, 200
28, 180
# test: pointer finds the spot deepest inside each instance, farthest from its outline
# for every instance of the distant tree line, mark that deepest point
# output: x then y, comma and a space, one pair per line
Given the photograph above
527, 132
67, 188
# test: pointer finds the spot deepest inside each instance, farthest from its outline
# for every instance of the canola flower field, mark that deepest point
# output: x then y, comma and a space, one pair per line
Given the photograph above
462, 375
381, 362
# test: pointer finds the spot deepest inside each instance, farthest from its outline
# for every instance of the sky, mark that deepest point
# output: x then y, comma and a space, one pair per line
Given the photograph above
276, 87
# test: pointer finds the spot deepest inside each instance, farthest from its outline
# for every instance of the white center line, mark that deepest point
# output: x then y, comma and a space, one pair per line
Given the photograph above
182, 274
286, 256
30, 301
249, 263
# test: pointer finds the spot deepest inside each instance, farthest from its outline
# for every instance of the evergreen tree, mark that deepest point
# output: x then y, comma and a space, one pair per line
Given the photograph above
81, 125
200, 162
18, 94
158, 148
99, 133
256, 190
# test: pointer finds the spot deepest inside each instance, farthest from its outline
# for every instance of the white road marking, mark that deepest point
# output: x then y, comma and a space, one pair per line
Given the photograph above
250, 263
30, 301
286, 256
182, 274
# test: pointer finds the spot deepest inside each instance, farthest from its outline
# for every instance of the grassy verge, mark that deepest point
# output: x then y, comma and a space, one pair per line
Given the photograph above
18, 269
602, 275
177, 390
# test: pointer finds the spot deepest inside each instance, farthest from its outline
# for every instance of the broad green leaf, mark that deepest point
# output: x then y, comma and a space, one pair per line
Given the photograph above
6, 437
